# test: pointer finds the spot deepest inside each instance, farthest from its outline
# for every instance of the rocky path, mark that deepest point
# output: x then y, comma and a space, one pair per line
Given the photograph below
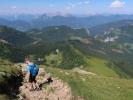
56, 90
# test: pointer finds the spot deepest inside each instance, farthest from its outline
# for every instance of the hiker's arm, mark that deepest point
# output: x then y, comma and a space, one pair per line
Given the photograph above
28, 73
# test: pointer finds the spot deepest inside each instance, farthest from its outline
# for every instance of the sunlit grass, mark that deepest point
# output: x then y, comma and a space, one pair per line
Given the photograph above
99, 87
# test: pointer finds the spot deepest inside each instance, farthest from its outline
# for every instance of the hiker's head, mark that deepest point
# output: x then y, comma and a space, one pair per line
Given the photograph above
28, 60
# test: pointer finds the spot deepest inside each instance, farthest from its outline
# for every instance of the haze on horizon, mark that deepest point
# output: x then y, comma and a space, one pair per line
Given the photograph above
63, 7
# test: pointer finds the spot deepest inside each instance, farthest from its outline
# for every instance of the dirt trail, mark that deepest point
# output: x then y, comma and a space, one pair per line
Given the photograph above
56, 90
80, 71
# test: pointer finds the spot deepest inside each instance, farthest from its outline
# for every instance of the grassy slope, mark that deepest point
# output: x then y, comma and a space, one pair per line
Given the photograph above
96, 87
104, 67
106, 85
8, 78
99, 66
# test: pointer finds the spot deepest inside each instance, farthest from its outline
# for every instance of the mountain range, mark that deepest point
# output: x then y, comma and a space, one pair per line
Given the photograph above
112, 41
24, 22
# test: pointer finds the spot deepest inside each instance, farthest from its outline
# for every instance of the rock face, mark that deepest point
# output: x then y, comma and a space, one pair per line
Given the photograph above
56, 90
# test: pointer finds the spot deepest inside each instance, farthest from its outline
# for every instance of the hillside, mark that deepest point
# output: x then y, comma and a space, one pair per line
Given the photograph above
93, 68
100, 29
95, 87
17, 23
80, 44
10, 80
117, 38
14, 37
57, 33
10, 52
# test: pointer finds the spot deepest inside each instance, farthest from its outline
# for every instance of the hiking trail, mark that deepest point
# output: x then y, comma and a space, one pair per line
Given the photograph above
56, 90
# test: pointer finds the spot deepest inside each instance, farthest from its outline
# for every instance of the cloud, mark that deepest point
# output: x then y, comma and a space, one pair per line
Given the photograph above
13, 7
68, 8
86, 2
117, 4
73, 5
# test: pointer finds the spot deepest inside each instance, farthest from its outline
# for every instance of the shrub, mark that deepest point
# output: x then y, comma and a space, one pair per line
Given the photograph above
54, 59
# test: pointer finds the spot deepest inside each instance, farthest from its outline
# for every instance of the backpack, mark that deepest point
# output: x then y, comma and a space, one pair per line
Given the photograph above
33, 69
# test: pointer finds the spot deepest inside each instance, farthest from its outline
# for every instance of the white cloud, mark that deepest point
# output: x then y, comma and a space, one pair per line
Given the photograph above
72, 5
68, 8
83, 2
117, 4
13, 7
86, 2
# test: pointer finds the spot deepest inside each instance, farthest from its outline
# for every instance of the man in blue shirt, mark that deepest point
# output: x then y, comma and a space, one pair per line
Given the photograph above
32, 72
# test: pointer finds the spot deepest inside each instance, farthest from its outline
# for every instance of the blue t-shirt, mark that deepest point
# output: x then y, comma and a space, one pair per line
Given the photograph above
33, 69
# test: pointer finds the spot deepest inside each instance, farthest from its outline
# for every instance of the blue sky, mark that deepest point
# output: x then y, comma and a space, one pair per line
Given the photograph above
80, 7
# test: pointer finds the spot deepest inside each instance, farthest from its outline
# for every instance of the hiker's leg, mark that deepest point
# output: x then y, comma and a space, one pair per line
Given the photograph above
31, 86
37, 86
35, 83
30, 82
34, 86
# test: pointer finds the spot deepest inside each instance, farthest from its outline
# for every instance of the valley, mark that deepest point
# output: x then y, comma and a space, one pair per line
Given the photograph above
96, 66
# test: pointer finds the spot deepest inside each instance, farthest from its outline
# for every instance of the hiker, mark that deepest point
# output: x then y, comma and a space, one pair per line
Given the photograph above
32, 72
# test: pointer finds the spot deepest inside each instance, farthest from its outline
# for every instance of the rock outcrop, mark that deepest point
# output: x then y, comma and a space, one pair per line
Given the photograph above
56, 90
